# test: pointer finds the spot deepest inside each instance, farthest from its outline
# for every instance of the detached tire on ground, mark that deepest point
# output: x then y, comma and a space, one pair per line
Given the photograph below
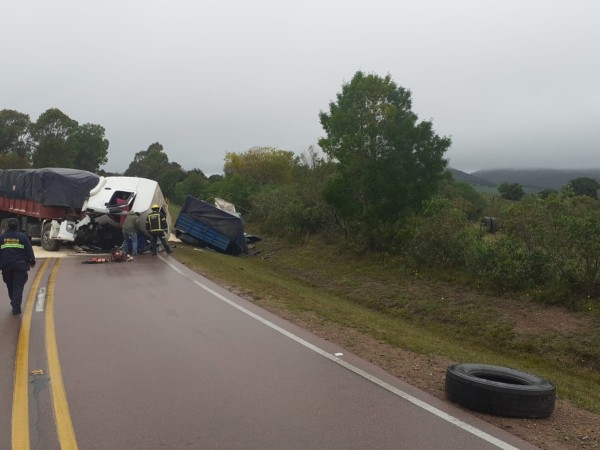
500, 391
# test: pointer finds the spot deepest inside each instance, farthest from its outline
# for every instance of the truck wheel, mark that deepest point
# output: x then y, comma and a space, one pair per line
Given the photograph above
50, 245
500, 391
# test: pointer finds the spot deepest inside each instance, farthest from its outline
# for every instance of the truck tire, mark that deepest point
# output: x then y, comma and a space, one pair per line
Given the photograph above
500, 391
50, 245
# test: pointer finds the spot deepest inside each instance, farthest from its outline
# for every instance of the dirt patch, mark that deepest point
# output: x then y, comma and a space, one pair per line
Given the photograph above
529, 318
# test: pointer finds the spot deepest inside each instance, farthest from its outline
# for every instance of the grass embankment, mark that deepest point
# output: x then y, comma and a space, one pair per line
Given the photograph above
394, 303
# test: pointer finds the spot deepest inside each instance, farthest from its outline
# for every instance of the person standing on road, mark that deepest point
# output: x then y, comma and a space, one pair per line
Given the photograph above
156, 224
16, 257
130, 233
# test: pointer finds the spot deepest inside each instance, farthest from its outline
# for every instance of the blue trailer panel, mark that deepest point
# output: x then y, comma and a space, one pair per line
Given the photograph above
186, 224
211, 226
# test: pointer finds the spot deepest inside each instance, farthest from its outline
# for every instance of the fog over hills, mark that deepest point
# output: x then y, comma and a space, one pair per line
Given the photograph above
533, 178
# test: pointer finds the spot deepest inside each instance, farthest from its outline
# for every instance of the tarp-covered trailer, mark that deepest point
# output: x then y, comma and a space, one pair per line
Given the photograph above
37, 197
210, 226
69, 205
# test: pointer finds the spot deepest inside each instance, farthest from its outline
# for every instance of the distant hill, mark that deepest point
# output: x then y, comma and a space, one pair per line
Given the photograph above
536, 178
459, 175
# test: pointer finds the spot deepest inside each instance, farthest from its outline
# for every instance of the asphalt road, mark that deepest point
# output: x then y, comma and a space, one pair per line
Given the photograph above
149, 355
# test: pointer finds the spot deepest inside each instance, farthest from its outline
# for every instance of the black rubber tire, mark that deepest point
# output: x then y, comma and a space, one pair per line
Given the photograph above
500, 391
50, 245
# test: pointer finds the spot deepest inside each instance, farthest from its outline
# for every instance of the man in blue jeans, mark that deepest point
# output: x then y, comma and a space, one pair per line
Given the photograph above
130, 230
16, 257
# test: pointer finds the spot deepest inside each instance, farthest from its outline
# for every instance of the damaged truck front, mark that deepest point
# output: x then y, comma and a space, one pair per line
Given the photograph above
60, 205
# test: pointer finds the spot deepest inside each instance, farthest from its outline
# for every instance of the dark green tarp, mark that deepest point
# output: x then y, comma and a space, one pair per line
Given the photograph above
50, 186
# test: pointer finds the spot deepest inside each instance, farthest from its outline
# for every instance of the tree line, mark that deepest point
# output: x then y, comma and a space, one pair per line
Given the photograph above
54, 140
379, 185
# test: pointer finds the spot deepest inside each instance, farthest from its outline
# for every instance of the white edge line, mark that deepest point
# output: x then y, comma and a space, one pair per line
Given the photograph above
400, 393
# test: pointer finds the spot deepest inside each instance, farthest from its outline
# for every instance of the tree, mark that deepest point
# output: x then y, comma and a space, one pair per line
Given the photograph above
90, 146
154, 164
52, 132
236, 189
170, 175
545, 193
148, 163
511, 191
296, 209
388, 163
264, 165
194, 184
585, 186
15, 139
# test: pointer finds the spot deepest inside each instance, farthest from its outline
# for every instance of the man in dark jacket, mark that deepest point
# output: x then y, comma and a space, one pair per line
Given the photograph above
16, 257
156, 225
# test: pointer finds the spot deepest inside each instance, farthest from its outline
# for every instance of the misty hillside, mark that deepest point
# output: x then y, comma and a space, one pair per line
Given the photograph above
537, 178
459, 175
533, 178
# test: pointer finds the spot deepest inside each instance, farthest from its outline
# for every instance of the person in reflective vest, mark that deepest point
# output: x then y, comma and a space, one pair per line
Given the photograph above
16, 257
156, 225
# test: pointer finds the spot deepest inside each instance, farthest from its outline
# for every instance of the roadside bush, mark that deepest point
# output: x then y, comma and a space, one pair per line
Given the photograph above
547, 245
464, 197
438, 235
504, 263
282, 210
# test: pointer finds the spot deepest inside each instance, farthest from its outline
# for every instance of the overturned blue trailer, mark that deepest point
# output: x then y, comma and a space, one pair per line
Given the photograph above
202, 224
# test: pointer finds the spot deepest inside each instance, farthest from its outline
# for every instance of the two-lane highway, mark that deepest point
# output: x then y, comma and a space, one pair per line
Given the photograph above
149, 355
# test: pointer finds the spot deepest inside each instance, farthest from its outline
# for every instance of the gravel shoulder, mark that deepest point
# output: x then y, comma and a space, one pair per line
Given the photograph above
568, 428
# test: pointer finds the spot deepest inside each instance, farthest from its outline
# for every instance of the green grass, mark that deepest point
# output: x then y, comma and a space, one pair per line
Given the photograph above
174, 211
389, 300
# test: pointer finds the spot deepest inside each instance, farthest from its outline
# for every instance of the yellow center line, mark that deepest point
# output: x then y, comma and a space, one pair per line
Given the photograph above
20, 409
64, 425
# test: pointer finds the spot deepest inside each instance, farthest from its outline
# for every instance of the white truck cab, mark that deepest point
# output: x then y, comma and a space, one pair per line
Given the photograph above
111, 198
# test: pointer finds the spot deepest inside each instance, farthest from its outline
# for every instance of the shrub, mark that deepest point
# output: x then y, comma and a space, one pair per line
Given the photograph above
438, 234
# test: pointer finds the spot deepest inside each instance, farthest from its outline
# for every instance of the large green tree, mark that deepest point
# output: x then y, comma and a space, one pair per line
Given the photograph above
51, 132
15, 139
388, 162
148, 163
91, 147
154, 164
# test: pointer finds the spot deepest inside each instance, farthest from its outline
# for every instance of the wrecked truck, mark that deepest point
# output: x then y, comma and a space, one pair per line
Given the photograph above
201, 224
58, 205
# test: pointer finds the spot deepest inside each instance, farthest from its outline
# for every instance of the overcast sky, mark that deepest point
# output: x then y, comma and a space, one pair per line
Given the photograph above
514, 83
